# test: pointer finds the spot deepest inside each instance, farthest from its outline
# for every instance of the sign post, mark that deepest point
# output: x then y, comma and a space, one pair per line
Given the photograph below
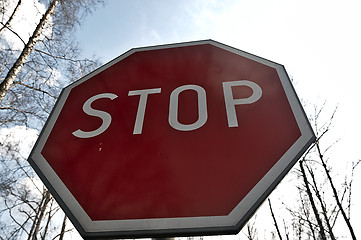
174, 140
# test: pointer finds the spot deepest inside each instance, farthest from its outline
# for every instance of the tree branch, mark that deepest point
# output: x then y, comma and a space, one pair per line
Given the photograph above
343, 213
310, 197
15, 69
11, 17
274, 219
36, 89
15, 33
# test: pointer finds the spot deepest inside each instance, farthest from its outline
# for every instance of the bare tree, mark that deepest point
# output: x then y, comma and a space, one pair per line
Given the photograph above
30, 81
311, 199
8, 21
274, 220
250, 230
32, 77
62, 230
322, 199
28, 48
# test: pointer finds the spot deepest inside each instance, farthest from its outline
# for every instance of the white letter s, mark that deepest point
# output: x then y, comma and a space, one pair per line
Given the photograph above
106, 117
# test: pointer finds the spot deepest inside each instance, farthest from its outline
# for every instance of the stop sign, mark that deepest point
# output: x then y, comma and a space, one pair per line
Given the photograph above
173, 140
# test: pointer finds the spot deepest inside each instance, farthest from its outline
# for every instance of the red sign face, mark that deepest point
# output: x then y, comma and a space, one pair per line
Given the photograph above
172, 140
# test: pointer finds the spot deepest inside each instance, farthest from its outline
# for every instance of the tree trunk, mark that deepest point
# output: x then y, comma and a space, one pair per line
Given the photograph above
42, 209
274, 220
322, 204
35, 219
28, 48
329, 178
306, 213
61, 236
45, 232
319, 222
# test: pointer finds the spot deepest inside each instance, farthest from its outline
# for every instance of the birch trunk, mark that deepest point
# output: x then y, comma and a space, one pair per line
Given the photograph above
28, 48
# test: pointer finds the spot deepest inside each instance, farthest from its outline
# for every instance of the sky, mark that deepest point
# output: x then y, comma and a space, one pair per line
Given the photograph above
23, 28
318, 42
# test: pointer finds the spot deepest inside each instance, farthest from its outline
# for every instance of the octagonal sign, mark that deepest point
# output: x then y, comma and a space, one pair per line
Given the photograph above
173, 140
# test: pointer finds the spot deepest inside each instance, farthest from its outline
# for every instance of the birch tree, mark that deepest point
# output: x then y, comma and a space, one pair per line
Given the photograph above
32, 76
32, 73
